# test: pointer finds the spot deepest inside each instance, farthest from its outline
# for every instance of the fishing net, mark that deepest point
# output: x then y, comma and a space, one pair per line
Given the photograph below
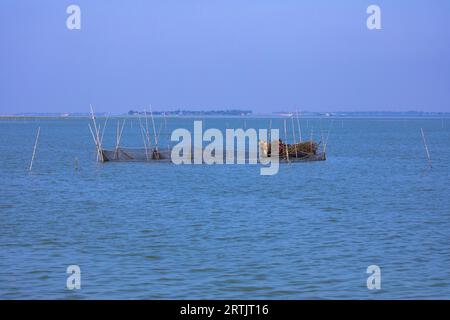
135, 154
307, 150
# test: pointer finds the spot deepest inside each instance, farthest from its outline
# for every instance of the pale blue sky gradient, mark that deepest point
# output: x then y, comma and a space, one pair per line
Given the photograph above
205, 54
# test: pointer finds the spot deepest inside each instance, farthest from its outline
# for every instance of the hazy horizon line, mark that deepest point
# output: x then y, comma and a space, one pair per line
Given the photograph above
253, 112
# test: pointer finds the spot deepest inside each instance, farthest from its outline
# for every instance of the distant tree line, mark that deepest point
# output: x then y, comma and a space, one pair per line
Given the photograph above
232, 112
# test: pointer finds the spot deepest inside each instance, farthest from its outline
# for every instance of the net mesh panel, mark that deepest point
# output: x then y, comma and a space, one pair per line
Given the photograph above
142, 154
136, 154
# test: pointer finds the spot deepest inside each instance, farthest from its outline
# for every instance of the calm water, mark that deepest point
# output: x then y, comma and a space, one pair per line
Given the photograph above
140, 230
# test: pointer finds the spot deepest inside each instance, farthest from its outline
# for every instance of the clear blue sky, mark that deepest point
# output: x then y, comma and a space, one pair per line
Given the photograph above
261, 55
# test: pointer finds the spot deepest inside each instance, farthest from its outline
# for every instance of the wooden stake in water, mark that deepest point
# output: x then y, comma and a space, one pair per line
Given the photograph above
286, 142
293, 135
34, 149
154, 128
116, 151
299, 129
270, 131
143, 137
154, 133
328, 136
426, 147
95, 140
97, 136
104, 127
321, 130
147, 132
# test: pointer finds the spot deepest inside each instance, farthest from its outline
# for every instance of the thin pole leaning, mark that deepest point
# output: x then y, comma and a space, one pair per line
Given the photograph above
160, 129
95, 124
119, 134
143, 137
426, 147
286, 144
117, 139
154, 133
147, 132
121, 131
270, 131
328, 136
321, 131
34, 149
293, 134
97, 133
154, 129
299, 129
104, 126
93, 138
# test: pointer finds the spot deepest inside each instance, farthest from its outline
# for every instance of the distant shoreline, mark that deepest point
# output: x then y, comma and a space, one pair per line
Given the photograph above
230, 113
326, 115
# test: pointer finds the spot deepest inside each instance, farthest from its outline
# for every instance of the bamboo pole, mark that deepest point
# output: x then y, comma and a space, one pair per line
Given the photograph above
104, 127
328, 137
286, 144
117, 140
160, 129
34, 149
147, 132
99, 155
321, 130
94, 122
299, 129
143, 138
93, 138
293, 135
154, 129
270, 131
121, 131
154, 132
96, 137
97, 132
426, 147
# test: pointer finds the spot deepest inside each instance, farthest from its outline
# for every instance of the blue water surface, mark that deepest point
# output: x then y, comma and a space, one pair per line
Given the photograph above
162, 231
